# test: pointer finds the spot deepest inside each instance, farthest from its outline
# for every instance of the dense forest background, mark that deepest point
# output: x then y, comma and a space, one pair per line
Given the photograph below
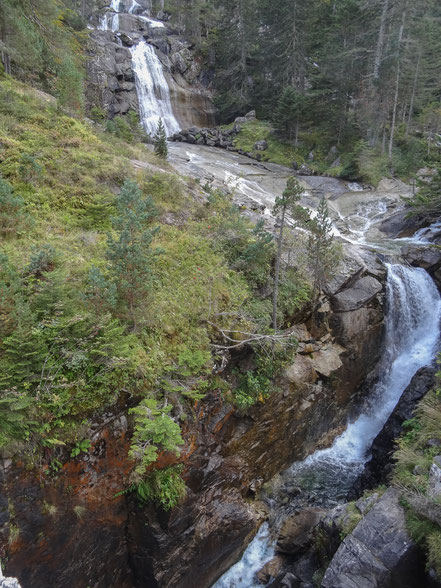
362, 76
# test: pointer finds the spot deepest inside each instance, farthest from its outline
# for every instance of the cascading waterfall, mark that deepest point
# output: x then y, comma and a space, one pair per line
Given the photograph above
110, 20
153, 90
412, 333
151, 84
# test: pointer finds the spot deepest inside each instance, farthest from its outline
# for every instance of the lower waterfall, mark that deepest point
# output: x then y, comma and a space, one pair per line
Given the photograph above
413, 315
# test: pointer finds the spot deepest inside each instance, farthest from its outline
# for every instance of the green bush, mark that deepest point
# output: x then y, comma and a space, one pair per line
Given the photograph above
13, 217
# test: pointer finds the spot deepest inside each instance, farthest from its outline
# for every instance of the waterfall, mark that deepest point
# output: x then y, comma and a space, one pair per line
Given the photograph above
153, 90
412, 332
110, 21
151, 84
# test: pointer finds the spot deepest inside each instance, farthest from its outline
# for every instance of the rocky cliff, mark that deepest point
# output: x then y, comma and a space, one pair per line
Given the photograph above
61, 521
111, 79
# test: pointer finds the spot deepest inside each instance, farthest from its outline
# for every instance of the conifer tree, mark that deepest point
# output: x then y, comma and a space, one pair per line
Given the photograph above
130, 252
161, 141
284, 205
321, 248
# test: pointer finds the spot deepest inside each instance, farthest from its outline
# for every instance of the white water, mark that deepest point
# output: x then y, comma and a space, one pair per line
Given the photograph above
241, 575
153, 90
412, 332
110, 20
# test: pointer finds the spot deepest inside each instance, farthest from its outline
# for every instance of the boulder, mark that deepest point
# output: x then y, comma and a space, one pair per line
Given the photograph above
429, 258
434, 489
261, 145
270, 570
400, 224
362, 292
379, 552
297, 531
327, 360
251, 115
304, 170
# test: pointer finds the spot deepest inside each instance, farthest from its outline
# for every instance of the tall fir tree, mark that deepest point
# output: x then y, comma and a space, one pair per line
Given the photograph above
160, 143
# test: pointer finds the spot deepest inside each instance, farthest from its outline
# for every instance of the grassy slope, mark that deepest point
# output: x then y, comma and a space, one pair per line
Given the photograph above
68, 174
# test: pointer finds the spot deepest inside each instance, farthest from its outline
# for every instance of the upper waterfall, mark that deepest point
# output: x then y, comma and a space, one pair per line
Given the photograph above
153, 90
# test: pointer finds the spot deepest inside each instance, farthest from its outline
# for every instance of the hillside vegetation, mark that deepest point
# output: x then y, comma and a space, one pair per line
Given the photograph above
114, 286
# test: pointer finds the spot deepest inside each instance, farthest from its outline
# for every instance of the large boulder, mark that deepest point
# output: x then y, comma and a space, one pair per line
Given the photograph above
297, 531
358, 295
379, 552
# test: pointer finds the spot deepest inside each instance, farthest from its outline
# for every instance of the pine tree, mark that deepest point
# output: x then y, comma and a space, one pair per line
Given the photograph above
322, 251
290, 110
161, 141
130, 252
286, 204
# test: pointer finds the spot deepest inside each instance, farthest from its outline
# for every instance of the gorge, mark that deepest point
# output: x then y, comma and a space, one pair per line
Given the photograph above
248, 472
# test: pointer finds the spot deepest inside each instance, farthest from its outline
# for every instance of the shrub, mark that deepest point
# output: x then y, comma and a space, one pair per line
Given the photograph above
12, 213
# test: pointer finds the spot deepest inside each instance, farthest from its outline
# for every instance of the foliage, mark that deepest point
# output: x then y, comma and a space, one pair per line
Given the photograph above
130, 252
164, 487
42, 260
80, 447
290, 110
413, 461
12, 213
127, 128
323, 253
285, 204
155, 431
160, 141
428, 197
256, 385
70, 86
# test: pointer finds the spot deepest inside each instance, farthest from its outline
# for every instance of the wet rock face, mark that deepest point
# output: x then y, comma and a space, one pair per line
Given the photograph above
379, 552
110, 77
58, 528
378, 469
111, 80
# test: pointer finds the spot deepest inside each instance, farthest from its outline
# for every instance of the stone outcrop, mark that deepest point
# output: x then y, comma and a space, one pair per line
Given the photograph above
223, 138
356, 295
379, 552
297, 531
111, 80
427, 257
227, 458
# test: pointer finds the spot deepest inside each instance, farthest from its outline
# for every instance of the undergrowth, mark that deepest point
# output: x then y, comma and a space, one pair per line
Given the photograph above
75, 341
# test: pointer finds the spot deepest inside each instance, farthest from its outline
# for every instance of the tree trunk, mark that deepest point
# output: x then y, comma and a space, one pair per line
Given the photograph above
397, 87
277, 268
412, 98
380, 41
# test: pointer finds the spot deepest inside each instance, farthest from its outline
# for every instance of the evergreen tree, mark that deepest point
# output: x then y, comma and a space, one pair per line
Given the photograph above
284, 205
161, 141
290, 111
130, 251
321, 248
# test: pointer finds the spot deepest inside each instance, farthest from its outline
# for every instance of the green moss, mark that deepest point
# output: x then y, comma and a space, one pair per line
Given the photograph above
277, 152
